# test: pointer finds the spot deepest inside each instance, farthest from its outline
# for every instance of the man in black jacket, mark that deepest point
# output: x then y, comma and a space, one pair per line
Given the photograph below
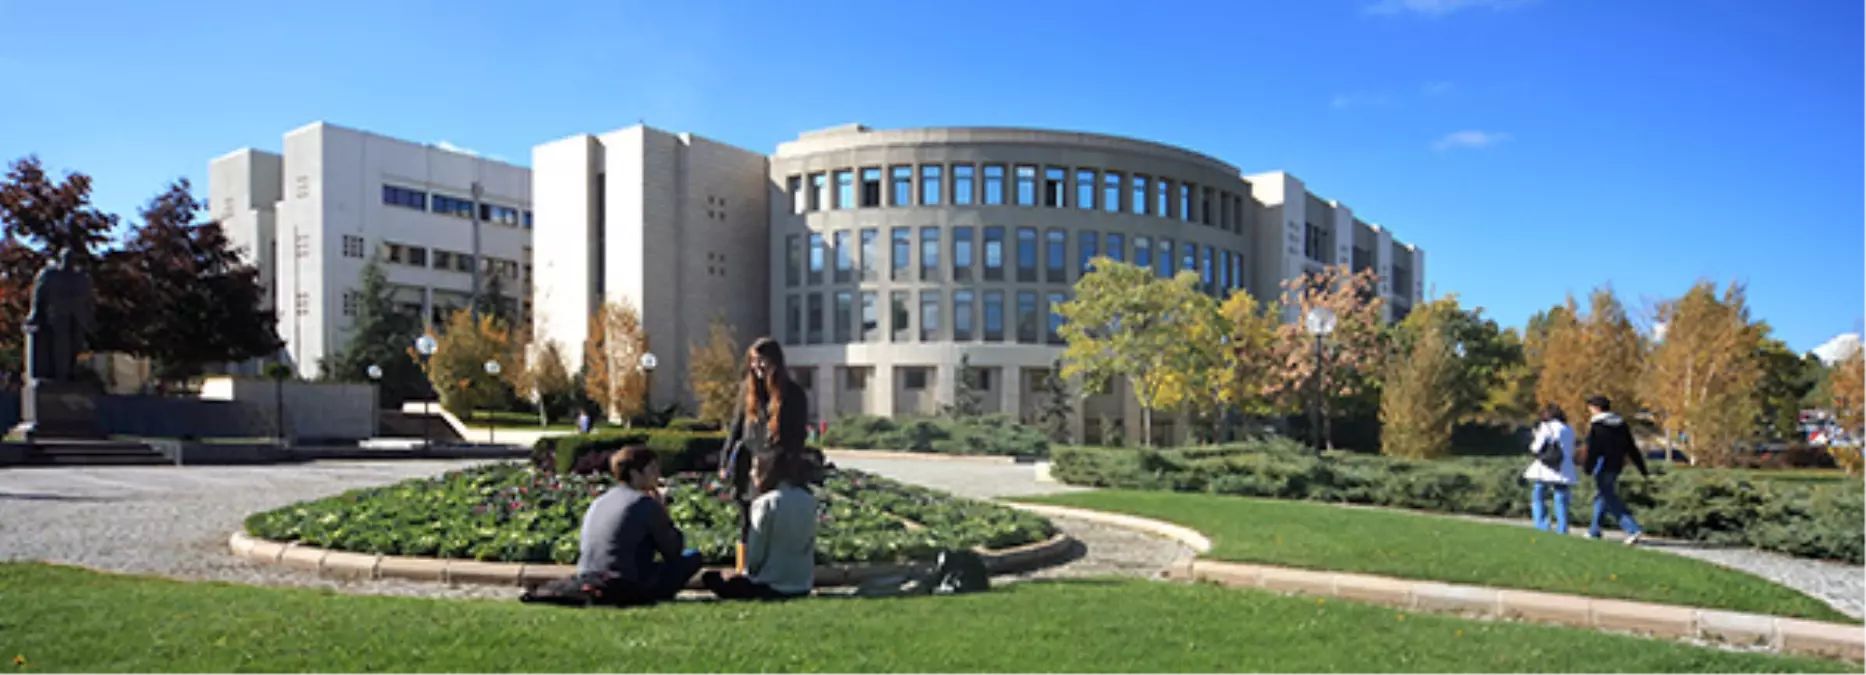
1609, 445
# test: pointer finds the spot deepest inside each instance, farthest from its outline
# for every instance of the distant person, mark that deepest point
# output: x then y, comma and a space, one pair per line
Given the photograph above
772, 415
780, 547
583, 422
1552, 470
1609, 445
627, 527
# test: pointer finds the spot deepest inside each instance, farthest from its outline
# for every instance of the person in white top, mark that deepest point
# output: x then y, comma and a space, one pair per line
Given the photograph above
1552, 470
780, 550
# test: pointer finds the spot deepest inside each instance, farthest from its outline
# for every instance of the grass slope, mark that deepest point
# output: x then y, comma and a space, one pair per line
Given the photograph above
63, 619
1419, 546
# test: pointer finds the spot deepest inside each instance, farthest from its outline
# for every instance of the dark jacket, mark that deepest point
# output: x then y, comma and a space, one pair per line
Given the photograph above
748, 429
1610, 444
622, 532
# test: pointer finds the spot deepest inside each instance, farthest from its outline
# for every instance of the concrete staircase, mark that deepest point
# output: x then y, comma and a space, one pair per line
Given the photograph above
85, 453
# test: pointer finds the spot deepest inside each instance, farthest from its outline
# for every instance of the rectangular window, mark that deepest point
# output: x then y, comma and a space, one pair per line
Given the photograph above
1224, 270
1206, 273
1205, 206
903, 253
1026, 254
1163, 202
929, 254
994, 184
1225, 215
871, 258
897, 302
1117, 247
1053, 334
845, 316
1055, 187
1189, 257
871, 318
1056, 256
871, 187
903, 193
1028, 323
1234, 262
1026, 185
1111, 192
962, 184
444, 260
1312, 246
1085, 250
463, 262
1163, 261
1143, 252
401, 196
793, 319
527, 220
1085, 189
962, 316
449, 206
417, 256
845, 258
816, 258
352, 246
1138, 197
494, 213
913, 379
930, 185
962, 253
819, 191
813, 318
929, 316
994, 316
351, 299
845, 190
793, 260
994, 253
393, 253
798, 200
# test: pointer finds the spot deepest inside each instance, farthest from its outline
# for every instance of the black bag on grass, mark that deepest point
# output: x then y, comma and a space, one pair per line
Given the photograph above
954, 571
577, 590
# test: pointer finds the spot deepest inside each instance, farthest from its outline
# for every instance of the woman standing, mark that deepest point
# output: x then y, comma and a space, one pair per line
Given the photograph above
1552, 469
772, 416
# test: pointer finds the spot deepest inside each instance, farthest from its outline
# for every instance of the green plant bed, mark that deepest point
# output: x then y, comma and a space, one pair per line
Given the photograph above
1816, 519
160, 625
679, 450
509, 512
995, 434
1437, 548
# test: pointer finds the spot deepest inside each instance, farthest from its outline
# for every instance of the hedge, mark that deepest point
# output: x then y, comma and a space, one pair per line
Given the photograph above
679, 450
995, 434
1723, 507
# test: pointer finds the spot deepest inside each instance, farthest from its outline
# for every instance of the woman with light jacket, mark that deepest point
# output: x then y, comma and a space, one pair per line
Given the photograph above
1552, 470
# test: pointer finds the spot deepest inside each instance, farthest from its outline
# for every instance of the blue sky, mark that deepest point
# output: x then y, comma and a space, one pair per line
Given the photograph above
1532, 147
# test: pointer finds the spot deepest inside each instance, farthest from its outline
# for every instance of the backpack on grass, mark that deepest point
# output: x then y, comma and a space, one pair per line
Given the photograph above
954, 571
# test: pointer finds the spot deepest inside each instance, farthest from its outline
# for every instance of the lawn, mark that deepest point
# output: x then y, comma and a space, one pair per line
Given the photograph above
1419, 546
64, 619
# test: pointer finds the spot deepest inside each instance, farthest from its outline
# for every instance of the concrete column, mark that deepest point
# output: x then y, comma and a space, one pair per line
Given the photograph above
881, 390
827, 386
427, 306
1012, 379
945, 383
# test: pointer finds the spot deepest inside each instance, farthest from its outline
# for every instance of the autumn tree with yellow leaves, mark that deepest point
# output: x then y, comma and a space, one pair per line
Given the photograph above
1848, 389
1599, 353
457, 370
1419, 401
1700, 379
713, 372
612, 374
1125, 323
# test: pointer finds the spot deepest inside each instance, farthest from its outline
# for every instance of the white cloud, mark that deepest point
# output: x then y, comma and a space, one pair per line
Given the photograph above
1440, 7
444, 145
1469, 138
1840, 347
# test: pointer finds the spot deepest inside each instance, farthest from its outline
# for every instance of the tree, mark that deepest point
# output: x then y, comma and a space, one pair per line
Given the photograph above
1250, 364
457, 371
492, 301
1511, 401
1487, 355
40, 216
1701, 378
713, 372
968, 397
1556, 349
1125, 322
612, 373
1418, 404
1352, 354
197, 299
1786, 380
382, 336
1057, 404
1582, 356
1849, 408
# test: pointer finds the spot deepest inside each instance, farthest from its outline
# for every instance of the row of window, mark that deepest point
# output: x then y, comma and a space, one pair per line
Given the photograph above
441, 259
836, 317
856, 254
439, 314
1030, 185
394, 195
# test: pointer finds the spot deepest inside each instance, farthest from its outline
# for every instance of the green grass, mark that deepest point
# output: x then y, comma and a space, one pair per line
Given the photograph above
1419, 546
63, 619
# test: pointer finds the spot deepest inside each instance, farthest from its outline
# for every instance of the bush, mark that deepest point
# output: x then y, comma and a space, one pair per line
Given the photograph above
582, 453
690, 424
994, 434
1724, 507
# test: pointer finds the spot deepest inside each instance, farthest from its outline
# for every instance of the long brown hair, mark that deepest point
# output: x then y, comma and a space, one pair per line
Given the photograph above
770, 389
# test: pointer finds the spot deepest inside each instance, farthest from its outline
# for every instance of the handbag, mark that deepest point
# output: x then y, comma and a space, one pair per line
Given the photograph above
1549, 454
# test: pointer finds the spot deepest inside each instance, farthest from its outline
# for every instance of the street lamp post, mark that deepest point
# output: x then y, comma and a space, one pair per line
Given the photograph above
647, 362
473, 303
425, 346
375, 381
1320, 322
492, 370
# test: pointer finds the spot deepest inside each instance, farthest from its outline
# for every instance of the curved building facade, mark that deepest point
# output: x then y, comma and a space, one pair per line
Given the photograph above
884, 260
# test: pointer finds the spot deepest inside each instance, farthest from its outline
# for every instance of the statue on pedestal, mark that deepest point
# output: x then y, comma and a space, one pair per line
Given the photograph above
58, 328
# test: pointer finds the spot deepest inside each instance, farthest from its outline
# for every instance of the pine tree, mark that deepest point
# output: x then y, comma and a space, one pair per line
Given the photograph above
1057, 405
380, 335
713, 372
968, 399
457, 370
1418, 402
493, 301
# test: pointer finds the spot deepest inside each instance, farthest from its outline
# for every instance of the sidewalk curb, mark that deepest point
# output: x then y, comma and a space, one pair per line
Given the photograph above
1779, 634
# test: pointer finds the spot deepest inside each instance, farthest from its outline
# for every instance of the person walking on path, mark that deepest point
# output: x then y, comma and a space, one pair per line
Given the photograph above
1609, 445
1552, 470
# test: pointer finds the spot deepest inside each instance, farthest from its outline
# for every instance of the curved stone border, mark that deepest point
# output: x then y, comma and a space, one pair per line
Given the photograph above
1781, 634
367, 566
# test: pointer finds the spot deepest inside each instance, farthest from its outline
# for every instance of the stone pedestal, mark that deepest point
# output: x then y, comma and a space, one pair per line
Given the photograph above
58, 410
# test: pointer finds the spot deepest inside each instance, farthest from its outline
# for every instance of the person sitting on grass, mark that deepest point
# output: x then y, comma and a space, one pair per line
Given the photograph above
627, 526
780, 550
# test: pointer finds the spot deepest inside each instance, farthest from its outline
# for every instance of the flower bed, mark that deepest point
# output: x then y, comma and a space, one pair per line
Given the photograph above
508, 512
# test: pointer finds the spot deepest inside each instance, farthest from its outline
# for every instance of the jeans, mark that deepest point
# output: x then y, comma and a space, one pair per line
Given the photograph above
1607, 502
662, 581
1539, 511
